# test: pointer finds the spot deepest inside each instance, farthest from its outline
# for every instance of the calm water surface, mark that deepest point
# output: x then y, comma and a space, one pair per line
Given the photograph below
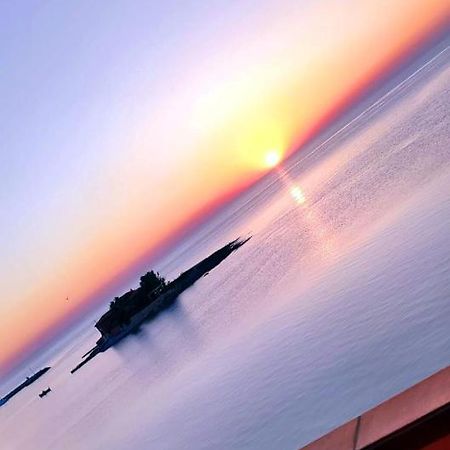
340, 300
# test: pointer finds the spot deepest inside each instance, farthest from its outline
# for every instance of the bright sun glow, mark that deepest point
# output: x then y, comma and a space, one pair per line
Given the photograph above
272, 158
298, 195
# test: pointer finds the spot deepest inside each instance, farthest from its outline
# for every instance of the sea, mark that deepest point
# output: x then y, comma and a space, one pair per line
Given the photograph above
340, 300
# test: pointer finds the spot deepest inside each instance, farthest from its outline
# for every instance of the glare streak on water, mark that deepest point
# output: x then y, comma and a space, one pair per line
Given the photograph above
340, 300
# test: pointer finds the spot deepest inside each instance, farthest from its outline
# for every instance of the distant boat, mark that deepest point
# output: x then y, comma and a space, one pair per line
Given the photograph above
44, 392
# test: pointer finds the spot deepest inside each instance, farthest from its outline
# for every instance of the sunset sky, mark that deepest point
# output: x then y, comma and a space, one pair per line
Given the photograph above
121, 122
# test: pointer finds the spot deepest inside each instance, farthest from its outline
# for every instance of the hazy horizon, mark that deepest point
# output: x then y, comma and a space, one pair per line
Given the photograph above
337, 303
170, 252
100, 141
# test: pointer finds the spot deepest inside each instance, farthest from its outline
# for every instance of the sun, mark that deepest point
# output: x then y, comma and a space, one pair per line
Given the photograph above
272, 158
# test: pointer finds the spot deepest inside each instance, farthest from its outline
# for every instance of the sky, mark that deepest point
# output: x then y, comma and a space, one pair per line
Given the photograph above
124, 122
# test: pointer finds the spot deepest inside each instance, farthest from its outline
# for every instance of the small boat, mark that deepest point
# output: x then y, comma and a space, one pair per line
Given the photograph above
44, 392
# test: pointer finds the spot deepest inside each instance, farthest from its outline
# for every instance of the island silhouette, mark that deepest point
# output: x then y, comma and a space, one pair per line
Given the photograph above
154, 294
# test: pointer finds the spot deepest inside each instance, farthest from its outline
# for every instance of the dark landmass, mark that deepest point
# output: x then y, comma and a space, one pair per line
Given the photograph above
23, 385
128, 312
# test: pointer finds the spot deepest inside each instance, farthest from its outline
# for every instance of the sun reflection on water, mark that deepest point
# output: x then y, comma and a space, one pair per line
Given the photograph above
298, 195
311, 219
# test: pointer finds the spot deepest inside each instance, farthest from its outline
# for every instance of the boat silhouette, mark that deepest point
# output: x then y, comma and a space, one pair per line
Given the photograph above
44, 392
